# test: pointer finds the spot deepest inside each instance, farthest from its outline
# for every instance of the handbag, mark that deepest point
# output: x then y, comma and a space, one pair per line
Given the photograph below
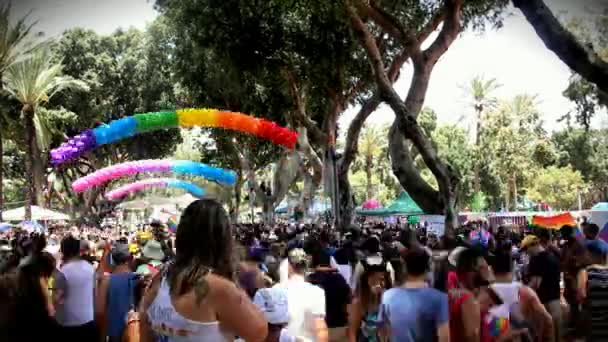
131, 332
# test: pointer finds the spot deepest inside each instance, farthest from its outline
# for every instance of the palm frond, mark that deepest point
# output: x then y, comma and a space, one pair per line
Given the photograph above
15, 40
38, 78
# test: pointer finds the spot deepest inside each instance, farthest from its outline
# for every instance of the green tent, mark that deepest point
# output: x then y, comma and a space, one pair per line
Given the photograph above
373, 212
404, 205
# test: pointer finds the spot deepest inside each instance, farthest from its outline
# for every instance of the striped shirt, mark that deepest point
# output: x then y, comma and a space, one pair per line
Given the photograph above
597, 303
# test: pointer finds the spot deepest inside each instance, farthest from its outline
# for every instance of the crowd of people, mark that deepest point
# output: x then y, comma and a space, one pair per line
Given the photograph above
217, 281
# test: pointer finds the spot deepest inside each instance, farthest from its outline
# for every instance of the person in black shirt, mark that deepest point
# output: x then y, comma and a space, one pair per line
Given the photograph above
544, 274
337, 294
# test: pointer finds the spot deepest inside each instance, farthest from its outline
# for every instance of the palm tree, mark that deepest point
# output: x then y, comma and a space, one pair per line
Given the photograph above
33, 82
13, 45
373, 139
480, 91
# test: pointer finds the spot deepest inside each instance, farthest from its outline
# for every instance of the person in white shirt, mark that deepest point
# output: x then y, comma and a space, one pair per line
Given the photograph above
306, 302
76, 283
273, 303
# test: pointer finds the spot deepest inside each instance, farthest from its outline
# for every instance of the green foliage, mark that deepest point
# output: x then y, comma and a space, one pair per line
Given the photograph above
15, 39
586, 152
558, 187
588, 99
510, 137
128, 72
453, 147
479, 202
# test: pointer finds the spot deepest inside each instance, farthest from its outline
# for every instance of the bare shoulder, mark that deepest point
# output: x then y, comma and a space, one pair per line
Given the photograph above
221, 286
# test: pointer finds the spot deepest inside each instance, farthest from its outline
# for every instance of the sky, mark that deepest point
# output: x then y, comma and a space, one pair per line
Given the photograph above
514, 55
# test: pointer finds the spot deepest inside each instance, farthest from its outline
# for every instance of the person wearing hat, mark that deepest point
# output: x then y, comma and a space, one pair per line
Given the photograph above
152, 254
116, 294
544, 277
306, 301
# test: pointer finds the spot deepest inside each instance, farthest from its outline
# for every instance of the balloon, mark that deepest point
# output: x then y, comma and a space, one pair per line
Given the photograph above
102, 176
154, 182
125, 127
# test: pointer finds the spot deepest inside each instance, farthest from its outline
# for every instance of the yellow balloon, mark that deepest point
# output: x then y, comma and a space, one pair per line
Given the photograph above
198, 117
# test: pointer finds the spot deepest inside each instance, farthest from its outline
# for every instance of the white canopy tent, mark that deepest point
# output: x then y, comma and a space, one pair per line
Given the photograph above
38, 214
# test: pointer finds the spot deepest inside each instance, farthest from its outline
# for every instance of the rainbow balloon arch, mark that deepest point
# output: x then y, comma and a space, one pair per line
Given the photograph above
127, 189
102, 176
129, 126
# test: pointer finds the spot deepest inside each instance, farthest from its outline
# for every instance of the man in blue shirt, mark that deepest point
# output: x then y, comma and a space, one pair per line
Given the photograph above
414, 312
591, 231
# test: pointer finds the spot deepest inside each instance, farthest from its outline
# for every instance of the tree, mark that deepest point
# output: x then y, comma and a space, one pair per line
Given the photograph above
579, 57
509, 139
559, 187
33, 82
276, 45
587, 153
373, 139
453, 146
13, 46
406, 112
128, 72
480, 90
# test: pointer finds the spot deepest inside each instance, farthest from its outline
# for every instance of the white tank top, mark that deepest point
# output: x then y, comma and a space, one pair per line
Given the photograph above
169, 326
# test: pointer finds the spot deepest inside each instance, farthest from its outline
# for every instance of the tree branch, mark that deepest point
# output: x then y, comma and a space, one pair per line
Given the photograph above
391, 25
563, 43
406, 114
300, 112
449, 31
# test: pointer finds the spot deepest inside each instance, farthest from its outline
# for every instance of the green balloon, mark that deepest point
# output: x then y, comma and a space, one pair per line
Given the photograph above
147, 122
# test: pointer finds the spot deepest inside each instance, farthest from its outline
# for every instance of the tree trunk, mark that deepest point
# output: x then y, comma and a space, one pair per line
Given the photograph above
477, 166
236, 202
514, 188
409, 176
39, 172
30, 139
1, 175
307, 192
579, 57
268, 211
407, 112
368, 179
347, 202
508, 196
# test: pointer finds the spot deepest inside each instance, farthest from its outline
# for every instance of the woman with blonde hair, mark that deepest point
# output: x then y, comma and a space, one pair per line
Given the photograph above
195, 297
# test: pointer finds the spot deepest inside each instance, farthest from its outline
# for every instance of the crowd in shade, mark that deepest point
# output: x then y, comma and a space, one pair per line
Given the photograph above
216, 281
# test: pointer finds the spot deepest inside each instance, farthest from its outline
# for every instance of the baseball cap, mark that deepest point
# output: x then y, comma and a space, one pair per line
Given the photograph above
528, 241
273, 303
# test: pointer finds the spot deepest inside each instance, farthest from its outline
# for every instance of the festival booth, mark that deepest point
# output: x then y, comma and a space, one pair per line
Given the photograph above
38, 214
599, 216
513, 219
404, 205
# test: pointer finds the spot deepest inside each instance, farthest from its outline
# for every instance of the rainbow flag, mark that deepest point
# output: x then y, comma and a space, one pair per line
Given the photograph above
499, 326
554, 222
172, 223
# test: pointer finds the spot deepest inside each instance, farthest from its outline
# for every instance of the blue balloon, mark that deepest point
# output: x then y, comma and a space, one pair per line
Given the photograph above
191, 188
215, 174
114, 131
